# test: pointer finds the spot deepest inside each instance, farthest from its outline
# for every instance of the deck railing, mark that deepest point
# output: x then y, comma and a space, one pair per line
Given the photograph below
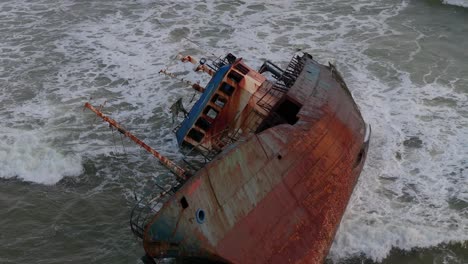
145, 210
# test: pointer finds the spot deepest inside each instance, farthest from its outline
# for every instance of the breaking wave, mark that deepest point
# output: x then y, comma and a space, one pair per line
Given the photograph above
463, 3
24, 155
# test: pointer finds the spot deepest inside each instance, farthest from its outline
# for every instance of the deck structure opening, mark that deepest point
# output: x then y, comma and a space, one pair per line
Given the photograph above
288, 111
285, 112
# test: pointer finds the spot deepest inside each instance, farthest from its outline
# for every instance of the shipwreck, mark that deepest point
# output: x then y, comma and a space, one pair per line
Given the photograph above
273, 156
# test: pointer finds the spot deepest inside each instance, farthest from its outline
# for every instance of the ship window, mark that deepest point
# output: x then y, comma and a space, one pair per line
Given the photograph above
227, 89
235, 76
203, 123
242, 68
184, 202
211, 112
219, 101
196, 135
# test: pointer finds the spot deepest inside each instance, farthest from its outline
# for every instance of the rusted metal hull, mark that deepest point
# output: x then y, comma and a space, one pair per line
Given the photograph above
278, 196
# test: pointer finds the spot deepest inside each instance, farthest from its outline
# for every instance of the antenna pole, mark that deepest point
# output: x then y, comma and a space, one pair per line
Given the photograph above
172, 166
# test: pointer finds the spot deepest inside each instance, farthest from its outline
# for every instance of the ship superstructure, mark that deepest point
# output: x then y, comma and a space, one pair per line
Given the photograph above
232, 105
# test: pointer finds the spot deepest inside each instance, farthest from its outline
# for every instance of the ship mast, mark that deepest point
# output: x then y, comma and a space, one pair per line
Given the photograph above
181, 173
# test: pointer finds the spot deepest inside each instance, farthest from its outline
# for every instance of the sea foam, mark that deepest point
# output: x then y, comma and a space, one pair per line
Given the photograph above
405, 197
463, 3
23, 154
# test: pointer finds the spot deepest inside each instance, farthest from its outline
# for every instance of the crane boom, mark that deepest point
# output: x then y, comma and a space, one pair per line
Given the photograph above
172, 166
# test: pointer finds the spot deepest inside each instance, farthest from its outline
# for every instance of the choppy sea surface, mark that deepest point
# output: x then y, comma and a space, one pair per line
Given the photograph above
67, 182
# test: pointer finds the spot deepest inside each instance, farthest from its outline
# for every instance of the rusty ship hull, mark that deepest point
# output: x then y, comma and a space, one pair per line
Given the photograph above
277, 195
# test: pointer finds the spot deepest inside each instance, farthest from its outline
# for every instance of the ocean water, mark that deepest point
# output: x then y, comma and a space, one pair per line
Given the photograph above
67, 182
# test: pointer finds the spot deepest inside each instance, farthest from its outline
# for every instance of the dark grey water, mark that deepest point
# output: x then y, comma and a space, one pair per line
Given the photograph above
67, 185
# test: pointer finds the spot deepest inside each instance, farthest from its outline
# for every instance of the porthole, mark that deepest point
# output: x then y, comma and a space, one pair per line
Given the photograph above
200, 215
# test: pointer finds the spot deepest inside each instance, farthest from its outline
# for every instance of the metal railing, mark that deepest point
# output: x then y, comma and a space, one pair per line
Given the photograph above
145, 209
283, 83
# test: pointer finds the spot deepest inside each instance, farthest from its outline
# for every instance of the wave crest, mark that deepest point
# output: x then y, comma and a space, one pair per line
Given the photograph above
24, 155
462, 3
